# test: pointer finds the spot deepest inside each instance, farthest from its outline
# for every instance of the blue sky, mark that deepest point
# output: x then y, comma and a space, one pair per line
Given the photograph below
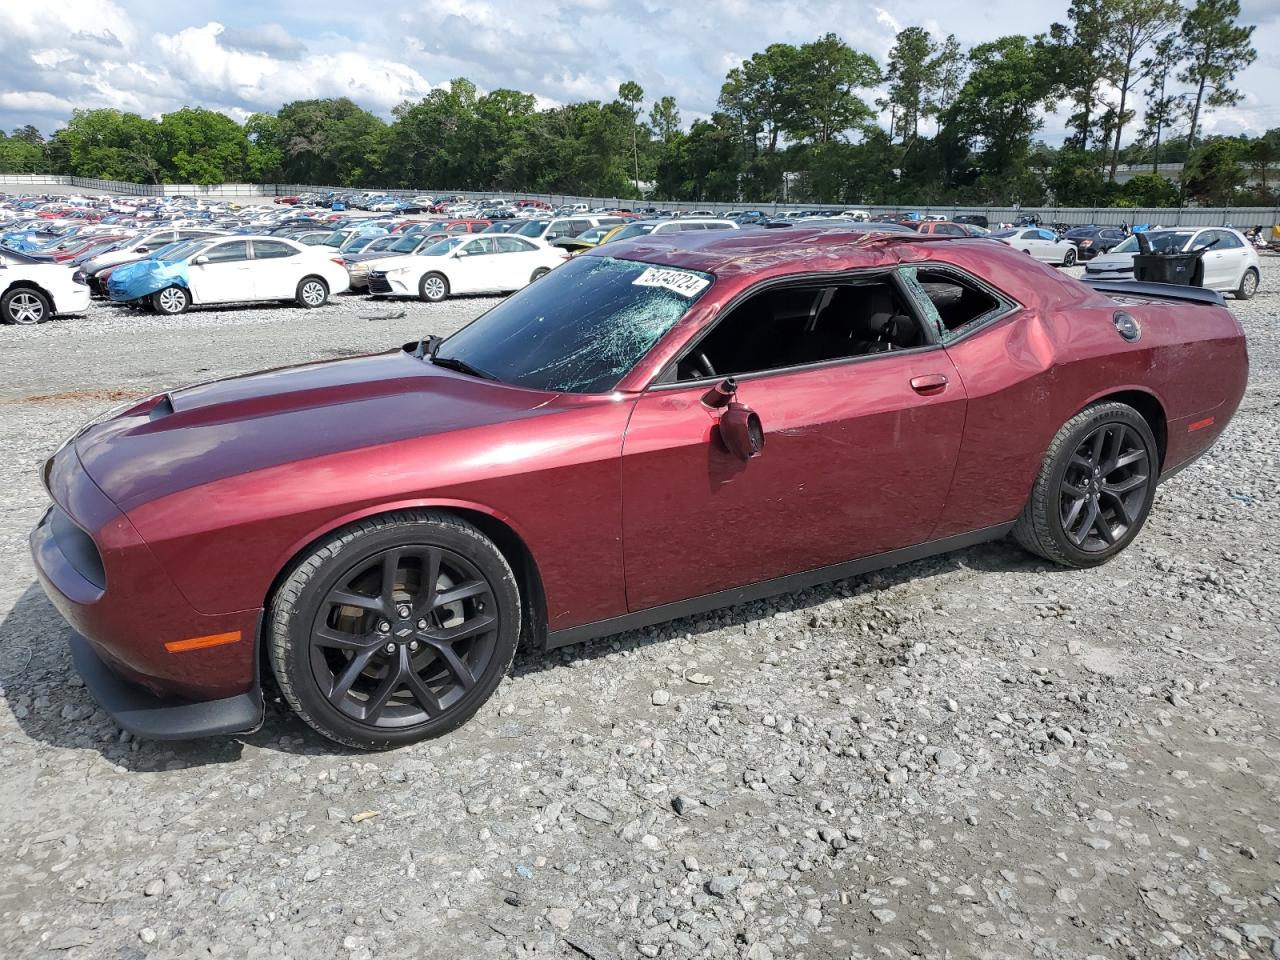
151, 57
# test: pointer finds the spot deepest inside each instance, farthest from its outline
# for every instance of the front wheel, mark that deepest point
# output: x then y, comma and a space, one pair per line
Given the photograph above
395, 630
1095, 488
1248, 285
539, 273
312, 292
433, 288
171, 301
24, 306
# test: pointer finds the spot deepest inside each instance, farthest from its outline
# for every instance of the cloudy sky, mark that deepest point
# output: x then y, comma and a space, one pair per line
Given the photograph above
152, 56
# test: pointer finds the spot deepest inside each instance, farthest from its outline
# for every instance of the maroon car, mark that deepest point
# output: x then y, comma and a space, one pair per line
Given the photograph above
656, 428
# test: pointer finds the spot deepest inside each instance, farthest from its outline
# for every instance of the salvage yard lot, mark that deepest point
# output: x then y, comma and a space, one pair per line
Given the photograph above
972, 755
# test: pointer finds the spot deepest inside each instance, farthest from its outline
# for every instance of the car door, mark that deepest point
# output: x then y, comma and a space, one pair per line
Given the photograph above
471, 267
1230, 257
518, 259
858, 455
221, 273
274, 269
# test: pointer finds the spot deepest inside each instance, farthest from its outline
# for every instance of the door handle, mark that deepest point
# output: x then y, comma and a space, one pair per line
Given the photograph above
929, 384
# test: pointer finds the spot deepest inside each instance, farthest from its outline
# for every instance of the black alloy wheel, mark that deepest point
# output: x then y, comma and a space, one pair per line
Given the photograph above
1104, 487
403, 636
394, 629
1095, 487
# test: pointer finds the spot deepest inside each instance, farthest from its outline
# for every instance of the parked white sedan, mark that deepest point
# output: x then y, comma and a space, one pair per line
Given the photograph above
486, 263
1045, 245
240, 269
1230, 262
32, 292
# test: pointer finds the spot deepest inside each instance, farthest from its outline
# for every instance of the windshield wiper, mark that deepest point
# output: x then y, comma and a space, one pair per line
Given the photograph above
453, 363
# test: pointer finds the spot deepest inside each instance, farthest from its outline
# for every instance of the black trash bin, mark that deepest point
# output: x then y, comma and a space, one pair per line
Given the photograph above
1182, 268
1174, 267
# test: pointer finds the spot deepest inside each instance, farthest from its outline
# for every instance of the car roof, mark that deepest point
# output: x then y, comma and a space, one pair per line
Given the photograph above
752, 250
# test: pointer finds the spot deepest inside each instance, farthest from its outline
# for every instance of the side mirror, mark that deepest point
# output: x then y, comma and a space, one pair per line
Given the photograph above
741, 431
200, 260
143, 249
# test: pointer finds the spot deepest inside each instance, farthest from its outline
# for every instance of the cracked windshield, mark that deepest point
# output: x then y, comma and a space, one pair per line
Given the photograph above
580, 328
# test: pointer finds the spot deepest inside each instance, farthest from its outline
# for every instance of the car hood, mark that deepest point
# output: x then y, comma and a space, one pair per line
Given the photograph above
200, 434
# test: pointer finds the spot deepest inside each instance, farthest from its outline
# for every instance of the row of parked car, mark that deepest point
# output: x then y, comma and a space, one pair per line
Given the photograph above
171, 254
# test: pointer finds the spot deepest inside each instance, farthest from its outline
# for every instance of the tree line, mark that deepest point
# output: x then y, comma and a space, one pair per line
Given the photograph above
791, 125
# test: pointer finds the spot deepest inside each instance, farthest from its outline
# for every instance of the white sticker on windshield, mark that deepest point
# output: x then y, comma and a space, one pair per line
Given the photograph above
677, 281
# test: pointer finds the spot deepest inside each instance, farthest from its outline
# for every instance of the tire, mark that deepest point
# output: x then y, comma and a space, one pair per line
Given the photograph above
25, 307
1069, 259
312, 292
171, 301
1113, 479
433, 287
314, 641
539, 273
1248, 285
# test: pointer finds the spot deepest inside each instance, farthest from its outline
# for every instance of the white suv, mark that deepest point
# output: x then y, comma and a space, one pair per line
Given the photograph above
1230, 262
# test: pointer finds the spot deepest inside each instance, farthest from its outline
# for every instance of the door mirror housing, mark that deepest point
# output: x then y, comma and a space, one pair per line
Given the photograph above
144, 249
200, 260
741, 431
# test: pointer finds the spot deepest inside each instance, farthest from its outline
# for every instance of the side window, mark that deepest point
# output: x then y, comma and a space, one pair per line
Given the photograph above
228, 252
576, 227
950, 230
1229, 240
957, 302
512, 245
457, 228
1030, 235
478, 247
272, 249
799, 326
1048, 235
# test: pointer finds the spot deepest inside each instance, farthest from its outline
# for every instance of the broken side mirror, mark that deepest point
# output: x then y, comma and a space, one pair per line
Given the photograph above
740, 428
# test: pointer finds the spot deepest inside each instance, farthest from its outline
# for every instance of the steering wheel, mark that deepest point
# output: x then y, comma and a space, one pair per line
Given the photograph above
705, 364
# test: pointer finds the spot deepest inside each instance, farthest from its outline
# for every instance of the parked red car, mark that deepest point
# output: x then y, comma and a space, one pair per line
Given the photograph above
657, 427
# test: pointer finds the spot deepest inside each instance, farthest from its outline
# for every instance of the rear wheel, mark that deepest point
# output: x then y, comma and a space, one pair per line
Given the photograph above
1095, 489
312, 292
1069, 260
24, 306
1248, 285
171, 301
433, 288
395, 630
539, 273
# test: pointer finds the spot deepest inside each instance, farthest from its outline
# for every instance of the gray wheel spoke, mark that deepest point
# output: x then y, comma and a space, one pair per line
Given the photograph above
328, 637
451, 635
473, 588
1128, 485
1103, 527
426, 599
346, 598
455, 665
1090, 516
1074, 490
1112, 447
390, 567
354, 668
422, 693
1128, 459
1073, 513
392, 682
1095, 448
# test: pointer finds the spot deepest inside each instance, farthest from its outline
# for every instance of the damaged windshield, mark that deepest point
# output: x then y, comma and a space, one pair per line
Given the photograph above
579, 329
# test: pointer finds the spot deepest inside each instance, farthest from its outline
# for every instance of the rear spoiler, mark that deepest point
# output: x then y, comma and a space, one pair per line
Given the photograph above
1158, 291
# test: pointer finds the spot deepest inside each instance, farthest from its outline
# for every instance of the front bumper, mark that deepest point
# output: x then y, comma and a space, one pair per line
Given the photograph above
144, 714
131, 621
389, 284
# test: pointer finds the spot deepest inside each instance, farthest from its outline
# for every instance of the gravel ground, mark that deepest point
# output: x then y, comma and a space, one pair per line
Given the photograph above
976, 755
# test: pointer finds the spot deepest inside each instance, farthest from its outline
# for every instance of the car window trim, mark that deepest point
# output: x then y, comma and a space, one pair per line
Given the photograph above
658, 382
982, 321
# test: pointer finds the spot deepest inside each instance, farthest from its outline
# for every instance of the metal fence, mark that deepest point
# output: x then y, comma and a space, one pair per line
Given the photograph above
1167, 216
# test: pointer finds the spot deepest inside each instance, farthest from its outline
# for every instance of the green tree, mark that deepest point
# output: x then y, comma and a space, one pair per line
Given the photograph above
1075, 60
110, 145
822, 101
202, 146
1216, 49
1215, 173
331, 142
18, 155
1134, 26
1163, 107
664, 118
999, 103
912, 76
265, 158
631, 94
1150, 190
